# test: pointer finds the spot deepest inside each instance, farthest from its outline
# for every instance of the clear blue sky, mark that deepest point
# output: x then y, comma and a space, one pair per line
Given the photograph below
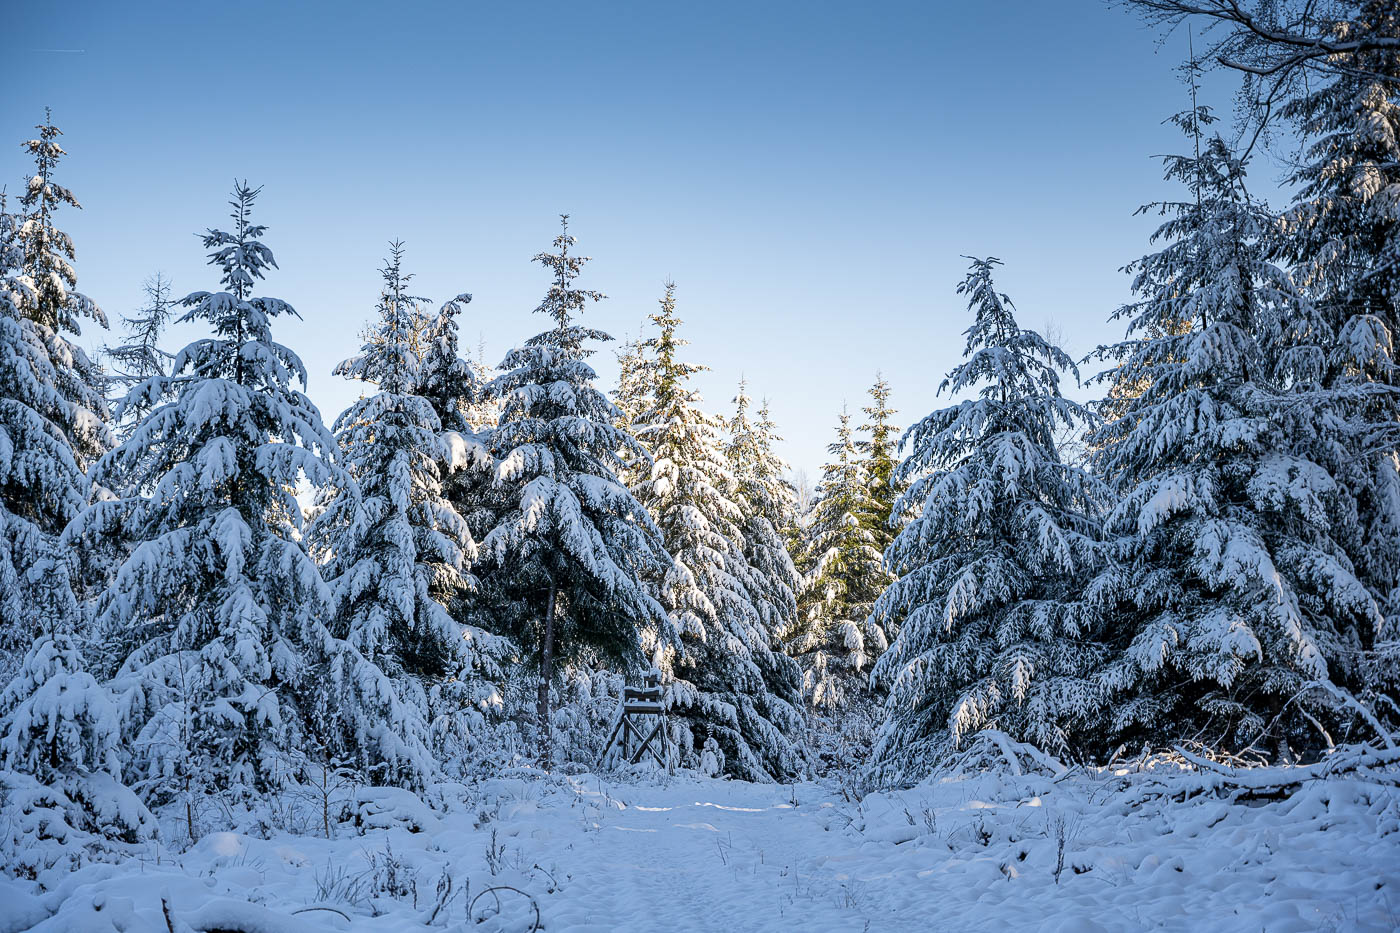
809, 173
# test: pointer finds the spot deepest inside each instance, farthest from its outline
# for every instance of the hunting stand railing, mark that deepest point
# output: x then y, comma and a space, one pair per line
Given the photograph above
641, 707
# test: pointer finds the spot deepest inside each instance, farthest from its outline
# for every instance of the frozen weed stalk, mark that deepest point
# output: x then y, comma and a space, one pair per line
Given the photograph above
495, 855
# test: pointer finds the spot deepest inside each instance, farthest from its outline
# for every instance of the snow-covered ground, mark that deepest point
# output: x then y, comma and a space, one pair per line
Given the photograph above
652, 853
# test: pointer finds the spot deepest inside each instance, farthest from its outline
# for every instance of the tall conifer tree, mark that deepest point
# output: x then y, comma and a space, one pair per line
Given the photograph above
1229, 589
566, 565
734, 693
878, 447
57, 722
54, 305
451, 384
835, 637
140, 356
215, 617
1342, 234
992, 632
630, 394
53, 417
765, 501
399, 554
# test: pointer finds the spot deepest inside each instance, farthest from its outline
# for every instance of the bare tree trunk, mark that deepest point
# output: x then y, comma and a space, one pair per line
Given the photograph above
546, 675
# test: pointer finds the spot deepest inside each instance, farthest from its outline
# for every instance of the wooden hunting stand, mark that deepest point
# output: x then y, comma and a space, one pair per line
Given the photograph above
641, 707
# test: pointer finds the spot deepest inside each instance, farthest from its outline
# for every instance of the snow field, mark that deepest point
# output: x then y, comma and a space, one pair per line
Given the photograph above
598, 854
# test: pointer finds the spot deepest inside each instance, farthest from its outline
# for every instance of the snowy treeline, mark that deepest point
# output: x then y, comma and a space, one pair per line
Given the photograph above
208, 592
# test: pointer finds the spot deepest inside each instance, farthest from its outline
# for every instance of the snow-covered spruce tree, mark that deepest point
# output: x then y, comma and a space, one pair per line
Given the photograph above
55, 307
140, 356
454, 387
215, 617
566, 569
775, 473
765, 502
450, 383
630, 394
632, 402
52, 414
991, 634
57, 724
733, 696
1228, 589
398, 554
40, 481
878, 448
835, 637
1342, 234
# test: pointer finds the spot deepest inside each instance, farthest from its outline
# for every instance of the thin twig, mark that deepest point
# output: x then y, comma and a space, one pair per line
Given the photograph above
302, 910
505, 887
